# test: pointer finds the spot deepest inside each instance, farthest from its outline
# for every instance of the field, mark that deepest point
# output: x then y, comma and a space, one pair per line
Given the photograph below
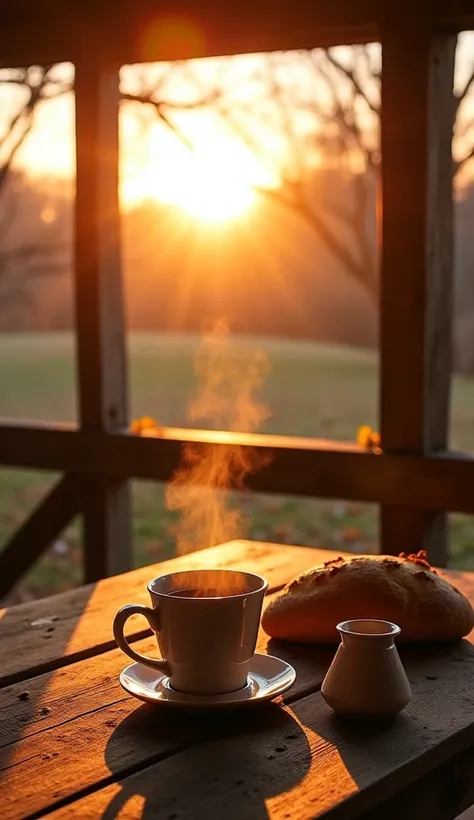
312, 390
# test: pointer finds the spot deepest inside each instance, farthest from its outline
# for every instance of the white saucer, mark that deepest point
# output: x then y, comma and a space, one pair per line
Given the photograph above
269, 677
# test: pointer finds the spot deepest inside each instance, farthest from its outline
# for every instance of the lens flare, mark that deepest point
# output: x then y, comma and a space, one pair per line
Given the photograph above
172, 38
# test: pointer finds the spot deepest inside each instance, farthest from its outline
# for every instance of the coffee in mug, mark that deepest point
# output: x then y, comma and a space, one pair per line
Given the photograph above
206, 623
195, 593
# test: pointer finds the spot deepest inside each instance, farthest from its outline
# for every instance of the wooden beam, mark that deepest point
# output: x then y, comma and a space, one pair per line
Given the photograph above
416, 276
100, 324
124, 43
50, 516
297, 466
147, 31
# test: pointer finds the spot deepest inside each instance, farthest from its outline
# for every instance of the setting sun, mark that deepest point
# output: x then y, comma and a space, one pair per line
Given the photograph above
210, 196
207, 192
214, 177
215, 184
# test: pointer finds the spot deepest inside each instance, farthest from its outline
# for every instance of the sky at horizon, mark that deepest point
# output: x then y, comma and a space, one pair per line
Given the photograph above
222, 168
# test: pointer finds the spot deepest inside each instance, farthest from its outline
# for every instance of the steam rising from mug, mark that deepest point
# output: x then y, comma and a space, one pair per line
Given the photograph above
228, 377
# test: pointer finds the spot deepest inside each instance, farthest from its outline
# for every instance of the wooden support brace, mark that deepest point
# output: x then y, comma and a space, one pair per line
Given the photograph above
33, 537
100, 323
416, 275
296, 466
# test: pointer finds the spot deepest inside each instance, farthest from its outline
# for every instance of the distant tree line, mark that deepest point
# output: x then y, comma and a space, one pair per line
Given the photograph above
305, 264
267, 272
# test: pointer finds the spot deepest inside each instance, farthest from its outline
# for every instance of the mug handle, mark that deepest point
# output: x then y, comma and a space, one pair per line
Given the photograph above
153, 619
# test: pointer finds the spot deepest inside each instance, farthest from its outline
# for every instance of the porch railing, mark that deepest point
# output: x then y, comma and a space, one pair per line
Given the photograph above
415, 478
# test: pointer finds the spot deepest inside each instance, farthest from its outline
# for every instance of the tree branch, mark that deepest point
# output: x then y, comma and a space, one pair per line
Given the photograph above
329, 236
5, 168
351, 76
158, 108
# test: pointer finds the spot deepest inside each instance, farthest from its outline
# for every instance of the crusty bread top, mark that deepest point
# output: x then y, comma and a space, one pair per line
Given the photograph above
405, 590
358, 566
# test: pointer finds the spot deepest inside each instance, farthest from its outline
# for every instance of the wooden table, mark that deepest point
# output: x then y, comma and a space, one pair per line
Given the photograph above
74, 745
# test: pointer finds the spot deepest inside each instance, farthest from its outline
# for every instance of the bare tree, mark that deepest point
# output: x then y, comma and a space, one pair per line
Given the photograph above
324, 107
311, 117
27, 255
21, 258
30, 86
34, 85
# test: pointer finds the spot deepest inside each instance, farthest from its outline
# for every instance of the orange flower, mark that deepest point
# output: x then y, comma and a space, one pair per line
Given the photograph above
367, 438
138, 426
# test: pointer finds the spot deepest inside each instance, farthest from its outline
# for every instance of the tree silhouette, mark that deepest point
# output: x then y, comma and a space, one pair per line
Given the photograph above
320, 109
27, 254
311, 118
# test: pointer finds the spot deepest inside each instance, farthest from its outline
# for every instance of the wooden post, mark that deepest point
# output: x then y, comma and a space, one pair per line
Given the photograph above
101, 359
416, 275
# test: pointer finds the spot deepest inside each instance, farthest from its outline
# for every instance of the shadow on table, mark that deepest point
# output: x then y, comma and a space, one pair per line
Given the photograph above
364, 752
311, 662
227, 770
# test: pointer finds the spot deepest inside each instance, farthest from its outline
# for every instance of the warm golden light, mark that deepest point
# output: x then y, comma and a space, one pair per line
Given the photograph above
199, 165
172, 37
48, 215
202, 190
215, 184
211, 198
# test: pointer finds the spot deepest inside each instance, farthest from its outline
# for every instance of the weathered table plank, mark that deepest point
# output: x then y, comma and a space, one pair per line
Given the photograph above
442, 794
78, 729
70, 715
73, 731
299, 762
78, 624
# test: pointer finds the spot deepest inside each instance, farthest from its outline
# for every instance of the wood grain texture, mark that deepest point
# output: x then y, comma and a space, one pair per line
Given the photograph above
417, 262
306, 467
50, 516
442, 794
299, 762
84, 730
89, 685
100, 321
73, 729
70, 715
55, 631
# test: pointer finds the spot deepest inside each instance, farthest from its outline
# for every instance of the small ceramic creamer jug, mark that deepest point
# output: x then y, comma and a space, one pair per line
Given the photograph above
366, 678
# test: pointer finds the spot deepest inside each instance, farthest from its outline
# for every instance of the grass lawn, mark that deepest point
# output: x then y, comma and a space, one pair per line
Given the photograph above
312, 390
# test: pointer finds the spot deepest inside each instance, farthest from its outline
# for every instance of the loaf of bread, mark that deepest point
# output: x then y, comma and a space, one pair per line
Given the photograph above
404, 590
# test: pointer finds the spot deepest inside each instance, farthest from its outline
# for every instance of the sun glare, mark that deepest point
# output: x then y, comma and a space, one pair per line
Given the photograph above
211, 191
206, 195
213, 183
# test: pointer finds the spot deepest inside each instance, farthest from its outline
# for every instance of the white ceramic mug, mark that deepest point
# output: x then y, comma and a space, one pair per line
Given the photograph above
206, 623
